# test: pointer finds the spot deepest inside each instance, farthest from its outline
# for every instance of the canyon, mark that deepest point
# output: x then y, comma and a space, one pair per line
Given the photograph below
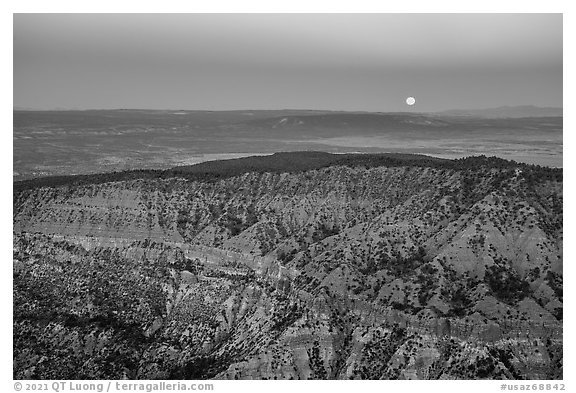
302, 265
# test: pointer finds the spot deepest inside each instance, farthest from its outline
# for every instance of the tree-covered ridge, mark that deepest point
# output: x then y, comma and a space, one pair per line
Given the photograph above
293, 162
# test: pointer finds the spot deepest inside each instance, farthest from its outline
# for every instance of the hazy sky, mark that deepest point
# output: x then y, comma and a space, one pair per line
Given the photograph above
366, 62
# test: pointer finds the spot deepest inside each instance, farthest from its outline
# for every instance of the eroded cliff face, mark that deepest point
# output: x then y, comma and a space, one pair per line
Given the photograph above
339, 272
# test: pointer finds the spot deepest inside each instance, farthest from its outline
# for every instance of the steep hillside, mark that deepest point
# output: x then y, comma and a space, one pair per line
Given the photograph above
293, 266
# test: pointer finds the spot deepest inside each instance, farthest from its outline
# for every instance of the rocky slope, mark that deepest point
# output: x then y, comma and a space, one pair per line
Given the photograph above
359, 267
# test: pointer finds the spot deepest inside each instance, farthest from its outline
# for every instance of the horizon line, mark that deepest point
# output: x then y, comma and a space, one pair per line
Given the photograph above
26, 109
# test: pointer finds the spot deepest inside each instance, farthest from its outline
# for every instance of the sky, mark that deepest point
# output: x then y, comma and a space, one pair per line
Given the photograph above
356, 62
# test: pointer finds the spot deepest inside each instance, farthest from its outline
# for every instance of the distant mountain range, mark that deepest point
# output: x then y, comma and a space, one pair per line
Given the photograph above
506, 112
496, 113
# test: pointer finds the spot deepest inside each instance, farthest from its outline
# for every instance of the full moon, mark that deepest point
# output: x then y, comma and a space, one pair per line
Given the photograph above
410, 101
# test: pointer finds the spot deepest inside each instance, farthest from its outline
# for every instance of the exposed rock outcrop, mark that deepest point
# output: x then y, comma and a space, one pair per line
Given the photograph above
414, 272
